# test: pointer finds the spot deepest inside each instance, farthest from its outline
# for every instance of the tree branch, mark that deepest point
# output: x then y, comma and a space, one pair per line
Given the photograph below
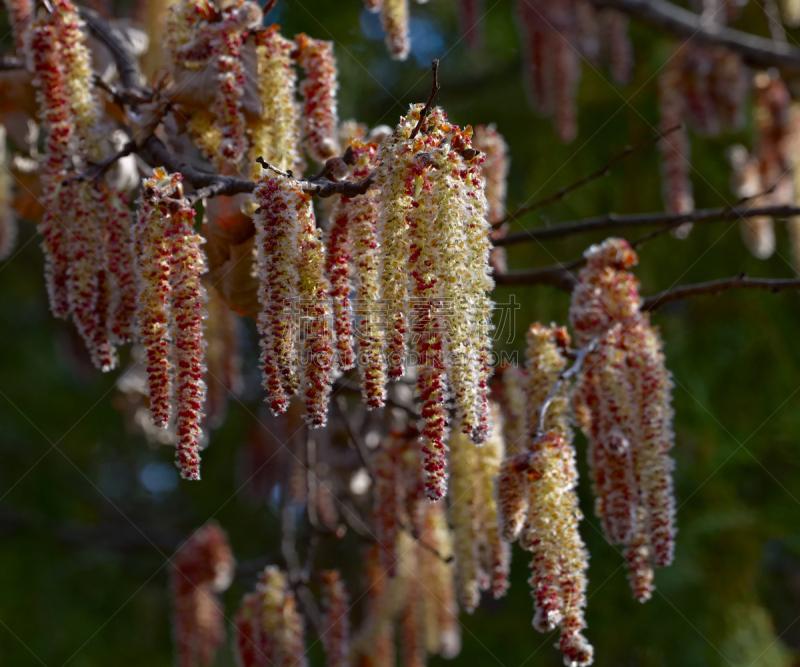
559, 277
614, 221
754, 50
717, 286
124, 58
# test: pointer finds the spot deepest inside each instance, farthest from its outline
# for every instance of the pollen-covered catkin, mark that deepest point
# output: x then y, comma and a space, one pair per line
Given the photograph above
394, 18
319, 90
152, 253
464, 509
337, 268
188, 312
624, 406
43, 49
560, 559
201, 570
336, 625
276, 135
366, 256
314, 301
277, 238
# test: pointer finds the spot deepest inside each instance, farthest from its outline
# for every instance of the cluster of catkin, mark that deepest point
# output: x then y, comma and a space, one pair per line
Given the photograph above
254, 111
536, 498
435, 277
482, 555
269, 630
770, 175
395, 21
623, 405
703, 84
171, 297
416, 604
557, 35
85, 225
202, 569
414, 249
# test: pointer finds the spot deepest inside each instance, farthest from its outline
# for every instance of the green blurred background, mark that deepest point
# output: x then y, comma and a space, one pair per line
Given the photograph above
89, 511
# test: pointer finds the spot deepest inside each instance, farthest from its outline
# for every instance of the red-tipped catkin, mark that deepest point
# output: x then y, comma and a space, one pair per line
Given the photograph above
188, 312
202, 569
319, 89
277, 238
336, 624
337, 268
316, 318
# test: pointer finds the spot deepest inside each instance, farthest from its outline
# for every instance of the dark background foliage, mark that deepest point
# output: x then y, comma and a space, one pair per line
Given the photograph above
90, 513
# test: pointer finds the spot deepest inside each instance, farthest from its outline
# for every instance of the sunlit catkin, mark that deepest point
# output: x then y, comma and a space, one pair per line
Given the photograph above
315, 317
277, 238
319, 90
187, 264
394, 18
276, 135
366, 257
153, 274
558, 568
43, 50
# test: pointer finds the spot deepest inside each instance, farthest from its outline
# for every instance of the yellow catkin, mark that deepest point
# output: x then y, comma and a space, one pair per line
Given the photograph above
276, 135
365, 252
495, 552
316, 318
560, 559
465, 503
544, 364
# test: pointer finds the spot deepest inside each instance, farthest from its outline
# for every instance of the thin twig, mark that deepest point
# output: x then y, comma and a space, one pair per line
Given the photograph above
97, 170
741, 281
559, 276
603, 171
121, 51
429, 103
671, 220
565, 377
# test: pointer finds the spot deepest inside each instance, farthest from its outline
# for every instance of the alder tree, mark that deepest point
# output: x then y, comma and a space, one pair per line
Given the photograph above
189, 177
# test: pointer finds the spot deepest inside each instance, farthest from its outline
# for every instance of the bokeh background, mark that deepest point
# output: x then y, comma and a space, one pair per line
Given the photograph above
90, 511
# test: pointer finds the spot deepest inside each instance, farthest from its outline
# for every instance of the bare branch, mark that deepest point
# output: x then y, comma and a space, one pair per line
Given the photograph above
716, 286
614, 221
558, 276
97, 170
121, 52
603, 171
754, 50
429, 103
